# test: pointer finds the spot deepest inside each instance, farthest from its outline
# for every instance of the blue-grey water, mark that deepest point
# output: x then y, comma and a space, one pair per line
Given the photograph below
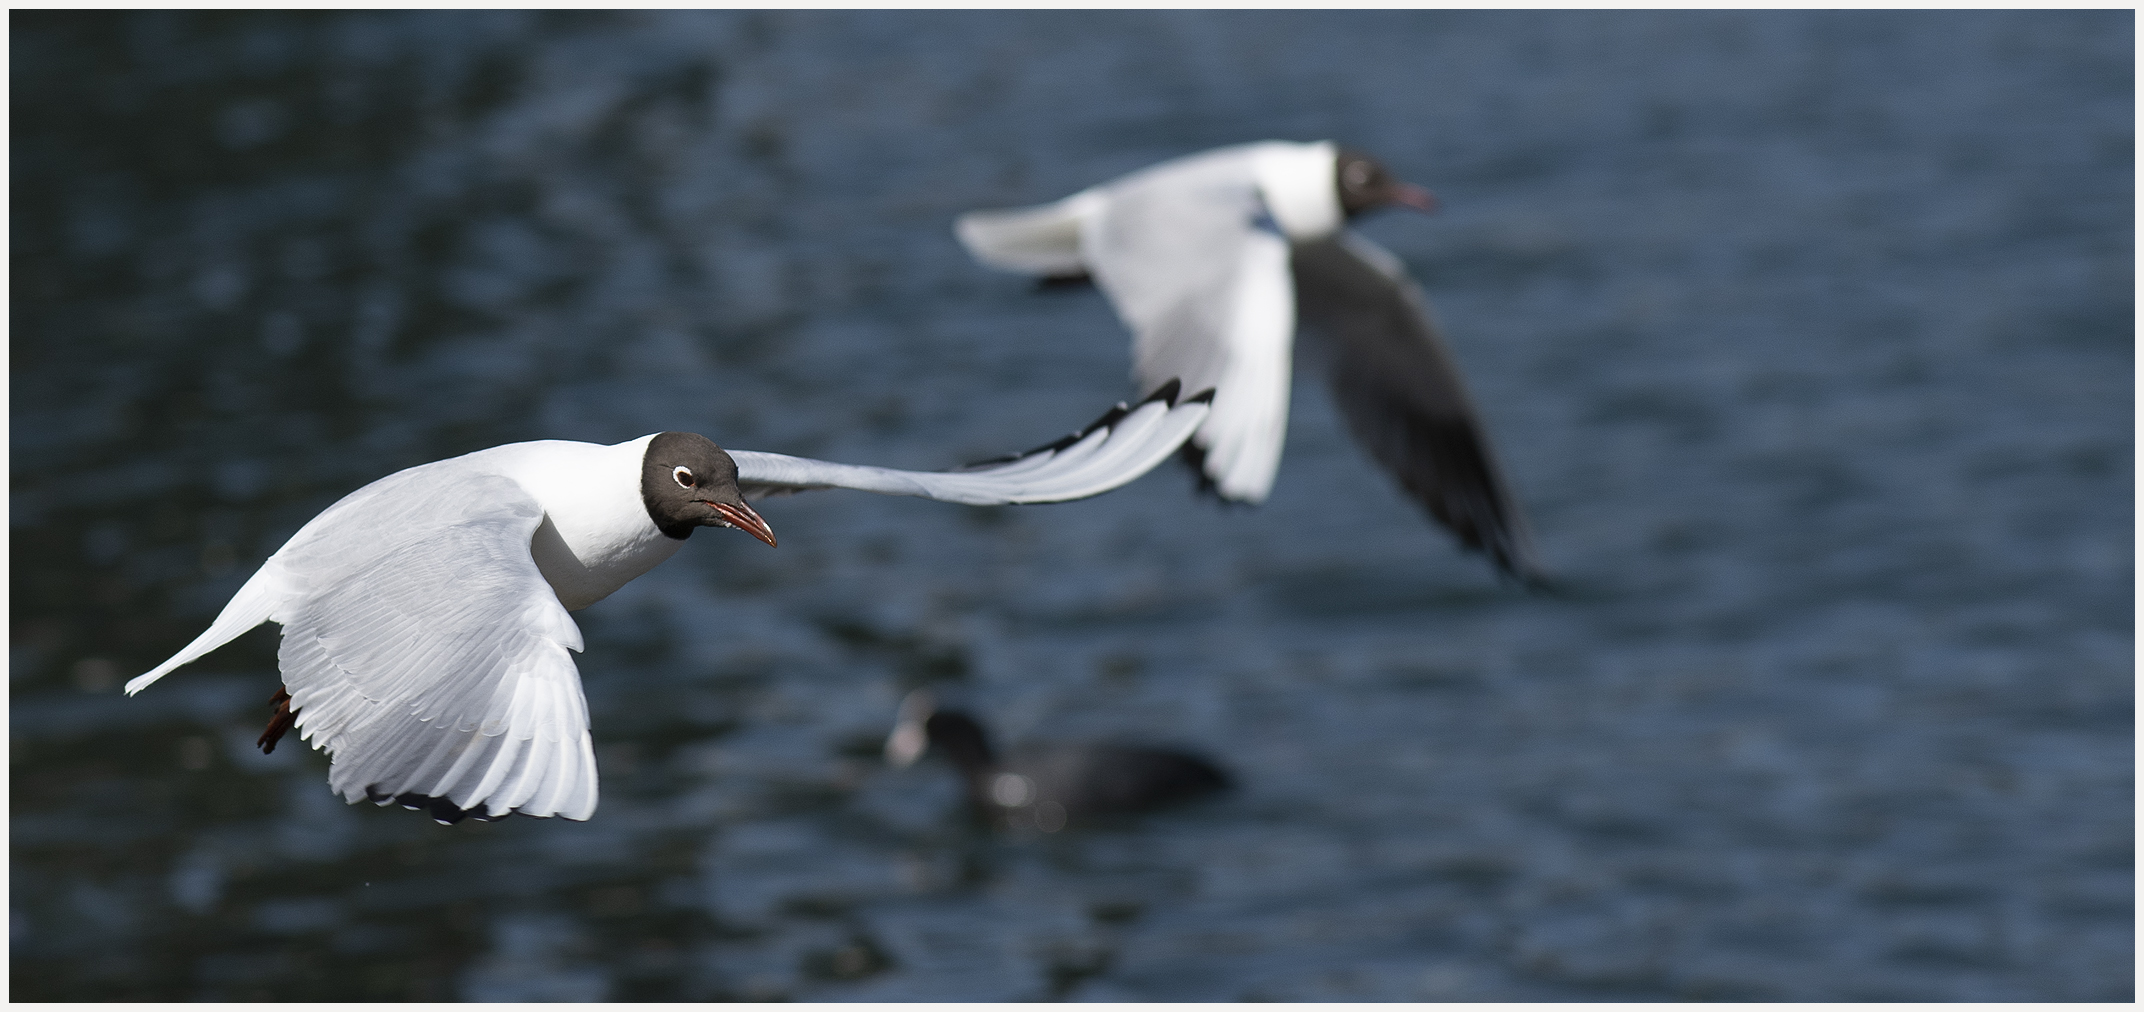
1806, 339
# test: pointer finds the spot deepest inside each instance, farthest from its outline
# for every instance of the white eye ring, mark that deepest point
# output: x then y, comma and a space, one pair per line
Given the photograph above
1357, 174
683, 477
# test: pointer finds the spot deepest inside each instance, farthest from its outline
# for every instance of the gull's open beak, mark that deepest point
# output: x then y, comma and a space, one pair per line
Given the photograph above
1410, 195
742, 518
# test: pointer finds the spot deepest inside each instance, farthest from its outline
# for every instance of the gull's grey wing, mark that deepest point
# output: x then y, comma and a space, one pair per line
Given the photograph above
1395, 382
1195, 266
425, 653
1119, 447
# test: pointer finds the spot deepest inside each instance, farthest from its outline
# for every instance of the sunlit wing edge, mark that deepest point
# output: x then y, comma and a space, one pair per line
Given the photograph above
1117, 448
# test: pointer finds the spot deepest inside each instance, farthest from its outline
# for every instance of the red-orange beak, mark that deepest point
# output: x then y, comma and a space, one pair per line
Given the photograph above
742, 518
1410, 195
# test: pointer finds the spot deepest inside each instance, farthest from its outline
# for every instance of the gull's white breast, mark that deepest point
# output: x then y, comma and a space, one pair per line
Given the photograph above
596, 535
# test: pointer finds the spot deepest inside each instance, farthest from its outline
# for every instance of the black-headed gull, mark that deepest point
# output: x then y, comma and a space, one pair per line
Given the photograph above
425, 626
1210, 258
1047, 786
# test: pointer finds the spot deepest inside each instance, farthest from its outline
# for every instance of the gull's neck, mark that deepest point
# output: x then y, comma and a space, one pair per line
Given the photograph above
596, 536
1299, 187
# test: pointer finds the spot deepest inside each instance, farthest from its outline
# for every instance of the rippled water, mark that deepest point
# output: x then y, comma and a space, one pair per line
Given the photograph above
1807, 340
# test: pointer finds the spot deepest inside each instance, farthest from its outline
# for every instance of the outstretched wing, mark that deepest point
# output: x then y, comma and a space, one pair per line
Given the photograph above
1119, 447
425, 654
1401, 393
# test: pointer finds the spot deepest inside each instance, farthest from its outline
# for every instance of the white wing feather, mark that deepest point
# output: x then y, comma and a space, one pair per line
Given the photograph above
423, 650
1117, 448
1193, 262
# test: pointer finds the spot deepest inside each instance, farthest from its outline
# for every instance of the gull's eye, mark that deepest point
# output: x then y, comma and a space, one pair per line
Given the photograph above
1356, 175
683, 476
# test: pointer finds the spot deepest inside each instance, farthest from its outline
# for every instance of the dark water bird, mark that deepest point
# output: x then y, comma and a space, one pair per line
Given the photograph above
1049, 786
1211, 258
425, 625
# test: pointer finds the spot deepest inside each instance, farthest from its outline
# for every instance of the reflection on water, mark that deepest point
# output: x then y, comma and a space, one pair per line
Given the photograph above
1806, 338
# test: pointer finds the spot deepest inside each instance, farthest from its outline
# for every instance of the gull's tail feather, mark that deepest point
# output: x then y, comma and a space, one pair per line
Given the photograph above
252, 605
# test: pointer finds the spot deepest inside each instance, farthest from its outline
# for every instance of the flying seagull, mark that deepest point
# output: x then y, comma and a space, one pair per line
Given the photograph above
425, 626
1047, 786
1209, 259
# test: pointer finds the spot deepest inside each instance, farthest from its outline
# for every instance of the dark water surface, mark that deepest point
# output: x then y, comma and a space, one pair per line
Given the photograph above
1807, 339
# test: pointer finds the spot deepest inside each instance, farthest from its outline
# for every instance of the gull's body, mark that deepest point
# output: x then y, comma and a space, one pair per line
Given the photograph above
425, 625
1210, 260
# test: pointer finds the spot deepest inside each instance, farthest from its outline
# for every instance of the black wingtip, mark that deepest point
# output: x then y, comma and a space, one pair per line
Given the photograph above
1109, 418
1508, 552
442, 811
1166, 393
1501, 545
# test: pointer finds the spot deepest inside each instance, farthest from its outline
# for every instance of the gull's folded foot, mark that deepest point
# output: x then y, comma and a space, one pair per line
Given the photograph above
279, 723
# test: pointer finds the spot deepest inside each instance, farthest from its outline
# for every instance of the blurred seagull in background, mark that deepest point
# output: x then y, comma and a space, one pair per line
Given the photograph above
425, 626
1049, 786
1210, 258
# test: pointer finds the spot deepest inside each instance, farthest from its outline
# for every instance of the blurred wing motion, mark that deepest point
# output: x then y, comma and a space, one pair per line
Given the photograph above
423, 650
1193, 263
1203, 284
1119, 447
1400, 391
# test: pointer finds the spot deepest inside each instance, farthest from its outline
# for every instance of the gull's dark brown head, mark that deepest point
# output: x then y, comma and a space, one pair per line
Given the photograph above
686, 481
1366, 185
